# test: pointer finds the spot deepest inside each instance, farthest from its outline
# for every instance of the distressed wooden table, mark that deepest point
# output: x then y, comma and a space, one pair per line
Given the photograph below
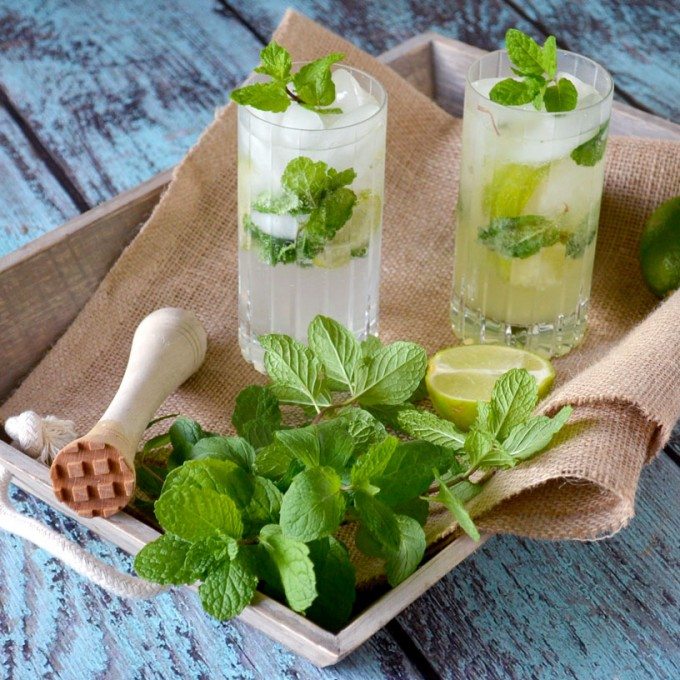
97, 97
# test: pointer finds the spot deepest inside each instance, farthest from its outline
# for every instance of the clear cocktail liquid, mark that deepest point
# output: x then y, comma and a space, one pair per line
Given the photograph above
528, 210
286, 277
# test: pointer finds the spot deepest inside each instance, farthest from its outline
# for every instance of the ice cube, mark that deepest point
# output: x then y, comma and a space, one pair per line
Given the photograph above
297, 128
349, 95
354, 116
300, 118
279, 226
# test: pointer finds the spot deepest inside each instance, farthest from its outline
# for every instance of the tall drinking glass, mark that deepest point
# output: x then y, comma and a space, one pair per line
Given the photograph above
310, 197
528, 210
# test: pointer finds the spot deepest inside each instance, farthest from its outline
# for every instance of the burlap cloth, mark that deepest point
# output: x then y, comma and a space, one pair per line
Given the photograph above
624, 380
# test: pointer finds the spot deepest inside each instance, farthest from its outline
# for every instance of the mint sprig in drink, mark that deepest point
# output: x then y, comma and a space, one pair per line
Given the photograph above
532, 168
311, 166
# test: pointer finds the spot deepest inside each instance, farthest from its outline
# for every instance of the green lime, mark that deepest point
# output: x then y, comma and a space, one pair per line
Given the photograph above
660, 248
354, 236
511, 187
458, 377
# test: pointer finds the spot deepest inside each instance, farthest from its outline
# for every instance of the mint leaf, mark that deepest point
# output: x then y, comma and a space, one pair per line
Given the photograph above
193, 513
521, 236
483, 418
378, 519
364, 429
184, 433
391, 375
550, 56
272, 249
276, 204
208, 553
579, 240
340, 179
263, 96
514, 397
274, 460
293, 566
256, 404
400, 564
306, 179
591, 152
373, 463
234, 449
455, 506
313, 506
528, 438
333, 211
426, 425
525, 53
264, 507
408, 472
313, 82
221, 476
417, 508
163, 561
337, 349
296, 372
560, 97
478, 444
512, 92
276, 62
336, 445
531, 61
301, 443
370, 346
227, 590
486, 452
335, 582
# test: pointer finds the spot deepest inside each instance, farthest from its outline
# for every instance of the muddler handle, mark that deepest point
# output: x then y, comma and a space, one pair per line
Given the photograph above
95, 475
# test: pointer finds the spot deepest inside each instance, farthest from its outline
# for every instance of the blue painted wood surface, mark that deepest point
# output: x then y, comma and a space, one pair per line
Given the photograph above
96, 97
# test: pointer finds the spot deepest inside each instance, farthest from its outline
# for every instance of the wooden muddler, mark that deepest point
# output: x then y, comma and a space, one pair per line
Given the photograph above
95, 475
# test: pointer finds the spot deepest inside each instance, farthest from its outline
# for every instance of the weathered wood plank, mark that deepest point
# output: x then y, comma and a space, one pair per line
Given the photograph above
378, 26
31, 199
521, 608
119, 91
637, 42
104, 636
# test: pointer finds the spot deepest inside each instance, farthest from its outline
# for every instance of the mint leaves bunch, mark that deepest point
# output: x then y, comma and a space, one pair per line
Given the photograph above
311, 189
311, 87
504, 434
265, 509
537, 67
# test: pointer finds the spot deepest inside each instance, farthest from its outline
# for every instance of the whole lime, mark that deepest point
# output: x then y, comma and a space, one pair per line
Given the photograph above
660, 249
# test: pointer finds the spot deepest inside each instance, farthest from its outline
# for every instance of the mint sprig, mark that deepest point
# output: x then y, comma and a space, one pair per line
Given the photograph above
262, 509
312, 86
537, 68
311, 190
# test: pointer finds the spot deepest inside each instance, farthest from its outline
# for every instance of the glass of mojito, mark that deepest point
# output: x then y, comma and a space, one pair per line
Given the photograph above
532, 169
310, 197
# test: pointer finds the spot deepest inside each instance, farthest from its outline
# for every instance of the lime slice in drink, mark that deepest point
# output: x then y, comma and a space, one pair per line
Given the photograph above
353, 238
511, 187
458, 377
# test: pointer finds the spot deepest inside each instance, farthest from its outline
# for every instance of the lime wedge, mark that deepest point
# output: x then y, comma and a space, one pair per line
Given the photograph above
511, 188
354, 236
458, 377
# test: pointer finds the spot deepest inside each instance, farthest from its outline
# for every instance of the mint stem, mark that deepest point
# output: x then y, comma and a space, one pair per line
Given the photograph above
293, 96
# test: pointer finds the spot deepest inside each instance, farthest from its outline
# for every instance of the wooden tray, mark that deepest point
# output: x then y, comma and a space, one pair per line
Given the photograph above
45, 284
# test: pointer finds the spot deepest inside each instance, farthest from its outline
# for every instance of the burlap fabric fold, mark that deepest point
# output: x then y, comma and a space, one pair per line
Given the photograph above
624, 380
